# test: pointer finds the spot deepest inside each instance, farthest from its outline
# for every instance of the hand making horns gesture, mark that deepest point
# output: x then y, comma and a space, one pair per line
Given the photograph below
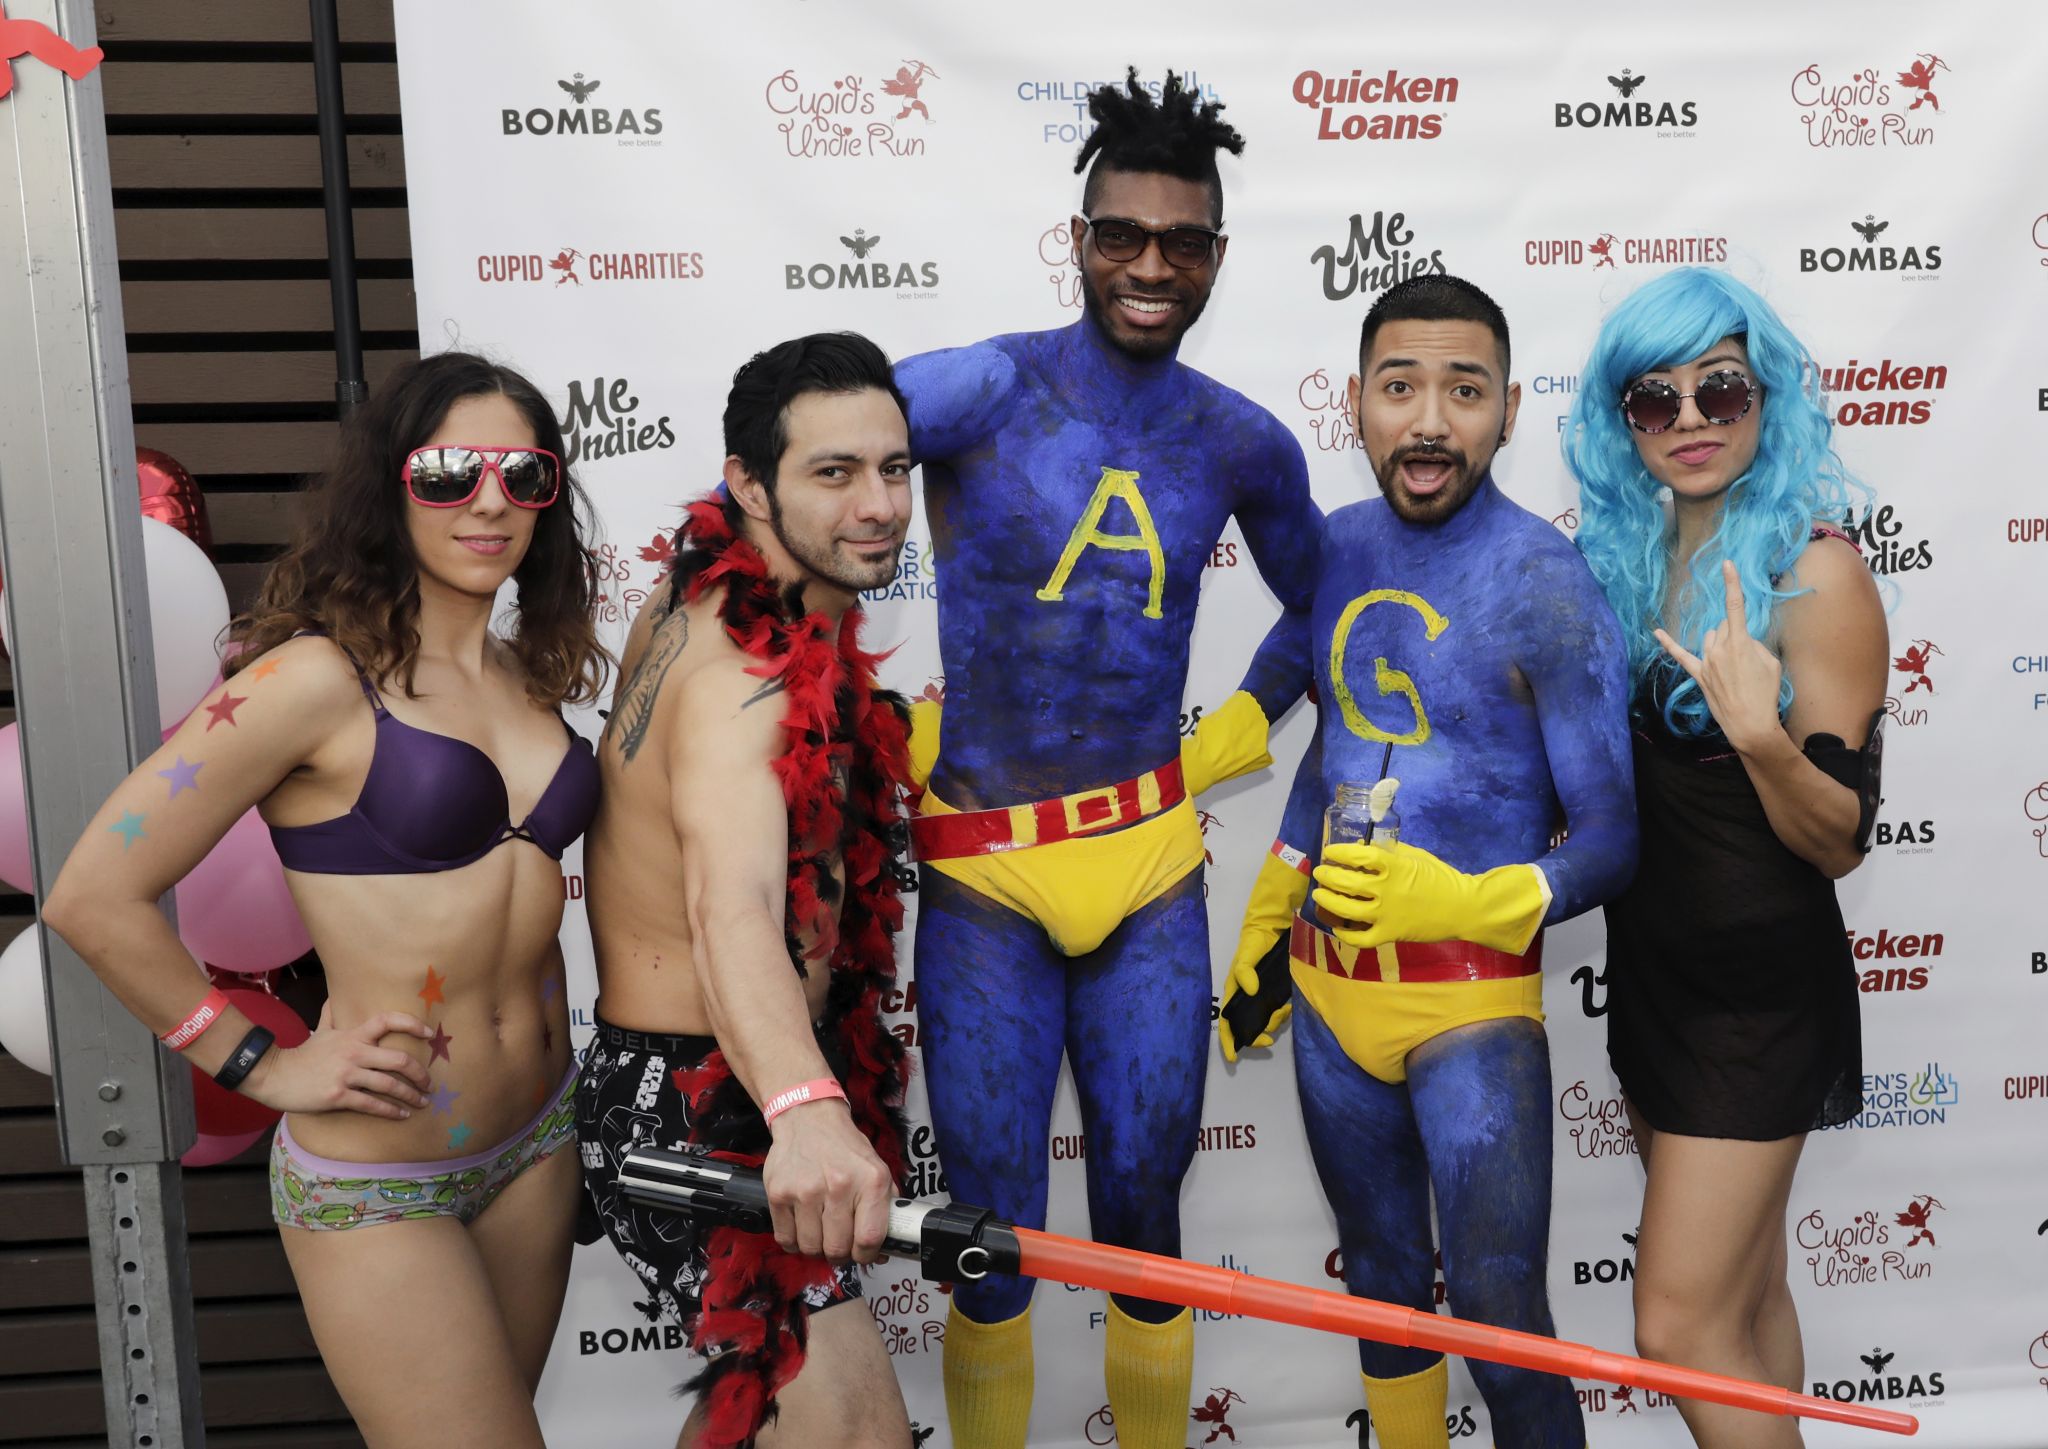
1738, 675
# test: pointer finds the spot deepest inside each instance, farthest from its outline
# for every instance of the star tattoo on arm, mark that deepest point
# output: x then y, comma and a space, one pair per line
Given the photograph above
128, 827
182, 776
634, 710
223, 709
437, 1047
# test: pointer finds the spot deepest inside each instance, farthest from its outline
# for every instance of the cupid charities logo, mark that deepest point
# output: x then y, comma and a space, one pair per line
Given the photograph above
1881, 1379
1598, 1126
1214, 1410
847, 118
1383, 107
1374, 257
630, 126
1906, 1099
864, 271
569, 265
1869, 395
1671, 120
1060, 107
1879, 107
1605, 249
604, 423
1872, 1246
1914, 262
1329, 413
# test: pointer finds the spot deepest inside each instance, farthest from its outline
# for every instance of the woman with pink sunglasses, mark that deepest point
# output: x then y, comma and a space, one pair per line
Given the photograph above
420, 786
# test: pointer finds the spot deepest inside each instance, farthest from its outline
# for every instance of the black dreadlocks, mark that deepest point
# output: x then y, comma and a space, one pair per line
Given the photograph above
1177, 135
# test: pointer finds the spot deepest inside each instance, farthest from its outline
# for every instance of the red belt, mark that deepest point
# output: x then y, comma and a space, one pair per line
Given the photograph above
1409, 960
1016, 827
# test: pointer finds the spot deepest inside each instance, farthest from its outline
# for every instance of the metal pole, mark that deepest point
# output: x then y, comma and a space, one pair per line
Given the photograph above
71, 550
349, 387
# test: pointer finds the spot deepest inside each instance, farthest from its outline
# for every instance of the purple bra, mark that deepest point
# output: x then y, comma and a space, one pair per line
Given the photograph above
432, 802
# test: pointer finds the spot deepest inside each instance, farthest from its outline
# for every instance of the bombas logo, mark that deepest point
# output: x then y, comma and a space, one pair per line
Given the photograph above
1608, 1270
1871, 1246
1666, 118
1329, 413
848, 118
604, 423
1598, 1125
1606, 249
866, 270
1918, 262
1061, 106
1906, 1099
1374, 258
1881, 1380
917, 575
632, 126
1877, 106
1383, 107
1906, 837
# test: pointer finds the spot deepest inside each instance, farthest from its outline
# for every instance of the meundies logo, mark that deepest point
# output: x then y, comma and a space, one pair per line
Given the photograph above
1913, 261
903, 1311
1333, 1268
1621, 1269
1872, 1246
917, 575
1592, 990
849, 117
1625, 109
1056, 252
603, 422
1374, 257
1887, 548
1459, 1423
863, 271
1606, 249
1329, 412
1598, 1126
922, 1175
1920, 1098
629, 126
1059, 108
1384, 106
1847, 390
570, 266
1880, 107
1881, 1380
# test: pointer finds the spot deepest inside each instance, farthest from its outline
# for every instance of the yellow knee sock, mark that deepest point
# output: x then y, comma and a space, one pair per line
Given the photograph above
1408, 1412
987, 1368
1150, 1367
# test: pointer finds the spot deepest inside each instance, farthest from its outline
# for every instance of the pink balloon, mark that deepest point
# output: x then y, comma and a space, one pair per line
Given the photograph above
14, 852
234, 909
213, 1148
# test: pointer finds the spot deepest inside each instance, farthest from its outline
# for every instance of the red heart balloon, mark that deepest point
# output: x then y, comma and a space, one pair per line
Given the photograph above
170, 495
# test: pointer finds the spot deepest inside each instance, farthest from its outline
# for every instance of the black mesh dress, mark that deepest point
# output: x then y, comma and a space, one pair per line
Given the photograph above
1731, 994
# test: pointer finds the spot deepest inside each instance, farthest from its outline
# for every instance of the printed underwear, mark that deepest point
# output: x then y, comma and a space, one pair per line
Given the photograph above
1081, 887
307, 1191
627, 1097
1382, 1004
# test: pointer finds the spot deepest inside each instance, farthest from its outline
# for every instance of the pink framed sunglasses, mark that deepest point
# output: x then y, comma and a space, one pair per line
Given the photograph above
449, 476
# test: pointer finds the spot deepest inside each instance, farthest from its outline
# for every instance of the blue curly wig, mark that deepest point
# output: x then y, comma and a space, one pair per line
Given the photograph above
1768, 512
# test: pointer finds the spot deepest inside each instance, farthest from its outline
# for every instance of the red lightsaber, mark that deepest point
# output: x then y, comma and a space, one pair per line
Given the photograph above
955, 1242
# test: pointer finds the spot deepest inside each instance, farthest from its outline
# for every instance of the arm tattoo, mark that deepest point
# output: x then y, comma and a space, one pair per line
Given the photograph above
634, 710
768, 688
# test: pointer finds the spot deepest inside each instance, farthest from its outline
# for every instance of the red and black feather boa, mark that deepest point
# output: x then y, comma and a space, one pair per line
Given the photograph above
839, 725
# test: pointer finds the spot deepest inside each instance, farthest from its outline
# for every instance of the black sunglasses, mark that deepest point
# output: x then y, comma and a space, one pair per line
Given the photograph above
1722, 397
1122, 240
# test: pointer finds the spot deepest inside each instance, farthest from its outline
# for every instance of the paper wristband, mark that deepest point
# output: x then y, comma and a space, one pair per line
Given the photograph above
205, 1014
823, 1089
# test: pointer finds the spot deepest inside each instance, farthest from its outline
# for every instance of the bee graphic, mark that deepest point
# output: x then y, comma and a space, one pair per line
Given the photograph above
579, 88
1626, 83
1869, 227
1877, 1358
860, 243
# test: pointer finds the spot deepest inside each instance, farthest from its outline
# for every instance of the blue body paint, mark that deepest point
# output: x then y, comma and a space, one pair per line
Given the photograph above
1483, 648
1074, 498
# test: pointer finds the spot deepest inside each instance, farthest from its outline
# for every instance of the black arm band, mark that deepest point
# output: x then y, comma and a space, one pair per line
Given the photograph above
1860, 770
243, 1059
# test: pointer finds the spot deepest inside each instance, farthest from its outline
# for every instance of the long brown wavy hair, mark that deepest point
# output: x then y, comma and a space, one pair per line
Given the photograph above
351, 571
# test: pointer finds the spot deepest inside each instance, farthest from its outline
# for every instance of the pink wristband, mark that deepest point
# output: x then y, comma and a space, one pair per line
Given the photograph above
205, 1014
823, 1089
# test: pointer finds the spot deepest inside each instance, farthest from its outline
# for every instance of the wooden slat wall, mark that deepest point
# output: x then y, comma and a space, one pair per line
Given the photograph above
216, 169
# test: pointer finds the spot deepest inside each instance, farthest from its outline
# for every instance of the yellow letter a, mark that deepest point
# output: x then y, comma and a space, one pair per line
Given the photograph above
1116, 483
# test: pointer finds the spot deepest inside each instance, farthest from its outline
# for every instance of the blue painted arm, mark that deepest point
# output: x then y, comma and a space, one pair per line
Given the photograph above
956, 395
1281, 523
1284, 668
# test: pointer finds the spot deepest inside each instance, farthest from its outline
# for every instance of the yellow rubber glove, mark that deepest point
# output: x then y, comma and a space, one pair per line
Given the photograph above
1229, 740
1403, 893
1260, 965
924, 739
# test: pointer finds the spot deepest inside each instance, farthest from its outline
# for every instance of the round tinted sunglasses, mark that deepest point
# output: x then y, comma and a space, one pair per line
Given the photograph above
448, 477
1722, 397
1119, 240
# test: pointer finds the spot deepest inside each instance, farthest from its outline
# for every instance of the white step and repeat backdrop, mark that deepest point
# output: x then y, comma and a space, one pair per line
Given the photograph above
625, 200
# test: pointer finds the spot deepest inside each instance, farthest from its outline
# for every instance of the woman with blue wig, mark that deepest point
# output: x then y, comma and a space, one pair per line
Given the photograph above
1757, 658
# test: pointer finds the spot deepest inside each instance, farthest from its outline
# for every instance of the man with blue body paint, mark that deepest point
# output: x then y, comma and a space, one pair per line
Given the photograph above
1465, 633
1077, 481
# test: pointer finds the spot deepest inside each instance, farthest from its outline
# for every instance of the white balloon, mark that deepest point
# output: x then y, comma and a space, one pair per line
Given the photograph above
188, 612
24, 1026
